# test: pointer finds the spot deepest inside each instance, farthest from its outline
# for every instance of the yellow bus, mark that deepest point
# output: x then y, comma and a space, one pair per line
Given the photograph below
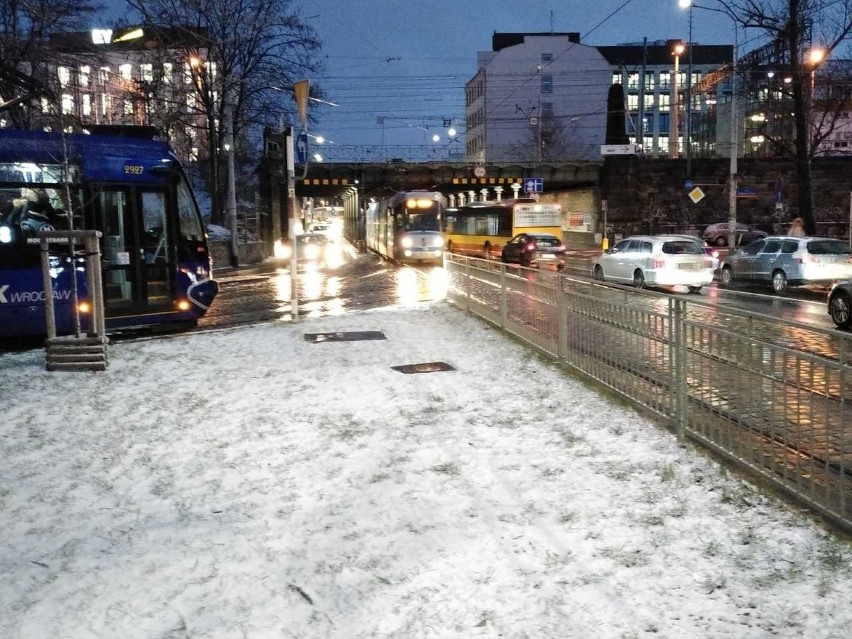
481, 229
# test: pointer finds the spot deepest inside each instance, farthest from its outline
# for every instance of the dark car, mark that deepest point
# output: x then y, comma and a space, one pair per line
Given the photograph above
717, 234
540, 249
840, 304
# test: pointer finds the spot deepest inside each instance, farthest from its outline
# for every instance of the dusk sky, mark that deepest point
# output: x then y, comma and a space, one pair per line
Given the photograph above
407, 61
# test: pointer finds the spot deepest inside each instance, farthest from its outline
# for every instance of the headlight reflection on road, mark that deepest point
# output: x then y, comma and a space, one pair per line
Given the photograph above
414, 285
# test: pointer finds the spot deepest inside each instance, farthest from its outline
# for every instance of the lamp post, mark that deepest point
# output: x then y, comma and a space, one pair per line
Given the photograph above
816, 56
732, 178
674, 136
687, 135
231, 207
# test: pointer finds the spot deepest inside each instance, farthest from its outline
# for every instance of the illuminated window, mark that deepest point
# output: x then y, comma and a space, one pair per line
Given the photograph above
147, 71
632, 80
665, 79
85, 72
87, 104
649, 81
649, 101
103, 75
106, 104
632, 102
616, 78
167, 72
128, 107
67, 104
665, 101
64, 74
125, 71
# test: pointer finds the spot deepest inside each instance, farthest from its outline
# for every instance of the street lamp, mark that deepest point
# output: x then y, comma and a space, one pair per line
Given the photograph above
674, 136
816, 56
732, 179
687, 4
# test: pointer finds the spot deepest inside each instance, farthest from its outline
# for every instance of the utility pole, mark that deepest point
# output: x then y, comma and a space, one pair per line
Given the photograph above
294, 220
231, 208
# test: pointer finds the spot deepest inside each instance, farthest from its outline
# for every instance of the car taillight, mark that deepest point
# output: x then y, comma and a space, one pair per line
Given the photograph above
657, 261
808, 259
529, 248
560, 249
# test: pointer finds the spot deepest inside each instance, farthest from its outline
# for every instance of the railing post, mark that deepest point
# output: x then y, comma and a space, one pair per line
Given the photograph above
504, 302
561, 319
678, 351
467, 283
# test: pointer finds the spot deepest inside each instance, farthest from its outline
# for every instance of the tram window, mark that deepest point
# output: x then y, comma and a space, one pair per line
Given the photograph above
154, 228
190, 221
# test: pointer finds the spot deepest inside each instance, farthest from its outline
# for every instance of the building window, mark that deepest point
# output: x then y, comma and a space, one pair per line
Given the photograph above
106, 104
649, 81
665, 79
547, 84
103, 75
87, 104
67, 104
546, 57
128, 107
616, 78
663, 121
547, 109
147, 71
125, 71
665, 101
64, 74
633, 81
649, 101
85, 72
632, 102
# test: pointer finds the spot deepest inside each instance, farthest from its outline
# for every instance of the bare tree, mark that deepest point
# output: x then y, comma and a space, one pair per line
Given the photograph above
26, 27
795, 27
251, 49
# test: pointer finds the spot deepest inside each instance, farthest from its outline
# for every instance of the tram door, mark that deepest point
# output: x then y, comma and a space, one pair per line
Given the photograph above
137, 261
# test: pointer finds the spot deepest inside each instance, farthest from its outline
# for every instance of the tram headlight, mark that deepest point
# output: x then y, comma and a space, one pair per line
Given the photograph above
6, 235
438, 242
407, 242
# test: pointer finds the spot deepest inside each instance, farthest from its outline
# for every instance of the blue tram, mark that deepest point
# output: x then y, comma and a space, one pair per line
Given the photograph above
130, 187
407, 226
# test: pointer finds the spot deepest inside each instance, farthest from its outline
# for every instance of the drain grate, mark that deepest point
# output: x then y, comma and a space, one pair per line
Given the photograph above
351, 336
427, 367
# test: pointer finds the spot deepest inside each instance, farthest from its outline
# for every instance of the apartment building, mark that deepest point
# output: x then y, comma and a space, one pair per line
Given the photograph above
543, 96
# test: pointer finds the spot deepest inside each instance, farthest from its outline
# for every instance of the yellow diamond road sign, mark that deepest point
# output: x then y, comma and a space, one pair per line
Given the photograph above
696, 195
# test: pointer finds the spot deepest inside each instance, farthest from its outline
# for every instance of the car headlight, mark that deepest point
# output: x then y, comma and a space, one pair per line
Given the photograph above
406, 242
6, 235
438, 242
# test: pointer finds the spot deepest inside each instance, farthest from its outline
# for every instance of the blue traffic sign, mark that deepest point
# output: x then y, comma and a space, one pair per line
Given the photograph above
302, 148
533, 185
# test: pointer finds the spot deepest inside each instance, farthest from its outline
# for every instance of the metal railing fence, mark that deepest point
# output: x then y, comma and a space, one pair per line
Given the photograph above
772, 395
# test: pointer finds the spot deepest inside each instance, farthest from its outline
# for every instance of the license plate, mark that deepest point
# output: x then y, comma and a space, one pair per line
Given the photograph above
691, 266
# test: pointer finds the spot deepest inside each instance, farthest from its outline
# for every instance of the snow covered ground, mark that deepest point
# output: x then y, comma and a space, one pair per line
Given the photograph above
250, 484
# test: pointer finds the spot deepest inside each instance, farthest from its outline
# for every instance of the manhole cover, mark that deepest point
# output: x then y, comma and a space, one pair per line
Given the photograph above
428, 367
351, 336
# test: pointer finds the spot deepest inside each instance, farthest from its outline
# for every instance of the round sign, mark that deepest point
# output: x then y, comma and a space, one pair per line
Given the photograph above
479, 171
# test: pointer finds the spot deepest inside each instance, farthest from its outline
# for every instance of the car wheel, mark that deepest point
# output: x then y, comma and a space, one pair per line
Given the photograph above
721, 241
779, 282
599, 274
840, 309
727, 276
694, 289
486, 251
639, 279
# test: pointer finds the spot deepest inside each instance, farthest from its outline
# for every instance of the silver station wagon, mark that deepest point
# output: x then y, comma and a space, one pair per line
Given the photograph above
656, 260
783, 261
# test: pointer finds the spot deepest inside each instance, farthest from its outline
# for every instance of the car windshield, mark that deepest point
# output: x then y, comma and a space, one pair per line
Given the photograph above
682, 247
547, 240
311, 239
828, 247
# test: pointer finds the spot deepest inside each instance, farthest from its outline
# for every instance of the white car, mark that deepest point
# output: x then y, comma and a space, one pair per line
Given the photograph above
656, 260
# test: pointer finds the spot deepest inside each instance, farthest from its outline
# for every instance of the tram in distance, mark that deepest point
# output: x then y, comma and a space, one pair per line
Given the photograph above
406, 226
481, 229
156, 266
